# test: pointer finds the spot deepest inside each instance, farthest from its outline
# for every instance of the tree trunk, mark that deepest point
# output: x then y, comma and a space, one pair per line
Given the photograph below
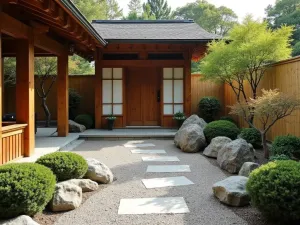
265, 146
47, 112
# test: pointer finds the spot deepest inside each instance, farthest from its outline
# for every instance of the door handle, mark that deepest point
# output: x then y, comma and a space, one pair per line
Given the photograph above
158, 96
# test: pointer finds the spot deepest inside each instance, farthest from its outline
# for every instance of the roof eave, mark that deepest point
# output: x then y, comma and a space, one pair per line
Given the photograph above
173, 41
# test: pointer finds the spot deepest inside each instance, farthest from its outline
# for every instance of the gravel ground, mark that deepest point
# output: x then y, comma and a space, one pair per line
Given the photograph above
102, 206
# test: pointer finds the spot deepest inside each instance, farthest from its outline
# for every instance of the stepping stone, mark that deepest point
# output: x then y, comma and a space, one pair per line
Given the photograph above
160, 159
168, 169
141, 151
153, 206
138, 145
166, 182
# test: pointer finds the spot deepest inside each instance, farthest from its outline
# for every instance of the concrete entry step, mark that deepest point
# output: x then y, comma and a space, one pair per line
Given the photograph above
160, 159
168, 169
166, 182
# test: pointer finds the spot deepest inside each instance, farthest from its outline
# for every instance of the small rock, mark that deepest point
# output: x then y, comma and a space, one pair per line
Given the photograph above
86, 185
76, 127
66, 197
20, 220
215, 146
232, 191
247, 168
99, 172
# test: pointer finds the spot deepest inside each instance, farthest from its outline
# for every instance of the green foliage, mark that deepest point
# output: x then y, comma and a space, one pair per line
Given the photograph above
274, 190
252, 136
296, 49
221, 128
218, 20
228, 118
286, 145
179, 116
65, 165
135, 6
80, 66
113, 10
92, 9
159, 9
9, 71
74, 102
279, 157
85, 120
25, 189
209, 108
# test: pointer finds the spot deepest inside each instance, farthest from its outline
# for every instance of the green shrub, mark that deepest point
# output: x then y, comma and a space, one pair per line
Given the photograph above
25, 189
209, 107
221, 128
228, 118
85, 120
74, 102
274, 190
286, 145
279, 157
252, 136
65, 165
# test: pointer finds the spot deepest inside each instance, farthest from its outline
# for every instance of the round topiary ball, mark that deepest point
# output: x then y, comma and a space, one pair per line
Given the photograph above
274, 190
228, 118
252, 136
25, 189
85, 120
65, 165
209, 107
286, 145
221, 128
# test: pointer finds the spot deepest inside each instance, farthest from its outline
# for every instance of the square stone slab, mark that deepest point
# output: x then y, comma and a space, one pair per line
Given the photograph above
160, 159
153, 206
138, 145
141, 151
166, 182
168, 169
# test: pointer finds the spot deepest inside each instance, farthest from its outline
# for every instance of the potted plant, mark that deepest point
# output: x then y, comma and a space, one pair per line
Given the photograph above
110, 121
180, 118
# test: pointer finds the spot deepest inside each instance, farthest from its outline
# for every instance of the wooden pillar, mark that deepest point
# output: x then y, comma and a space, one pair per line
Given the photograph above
187, 84
1, 83
63, 95
25, 91
98, 90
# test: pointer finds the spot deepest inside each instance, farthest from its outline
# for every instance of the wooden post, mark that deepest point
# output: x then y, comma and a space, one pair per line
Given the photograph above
25, 91
187, 84
62, 95
1, 76
98, 90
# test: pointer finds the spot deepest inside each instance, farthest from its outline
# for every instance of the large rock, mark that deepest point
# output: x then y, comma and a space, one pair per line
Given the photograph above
247, 168
215, 146
76, 127
20, 220
66, 197
232, 191
86, 185
234, 154
99, 172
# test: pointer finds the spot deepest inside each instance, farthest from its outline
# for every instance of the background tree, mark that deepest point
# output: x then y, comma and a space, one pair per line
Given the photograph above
45, 69
80, 66
9, 71
159, 8
135, 6
245, 59
113, 10
92, 9
286, 12
267, 109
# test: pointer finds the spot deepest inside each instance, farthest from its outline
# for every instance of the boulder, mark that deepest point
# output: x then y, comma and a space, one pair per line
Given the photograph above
20, 220
232, 191
234, 154
66, 197
247, 168
99, 172
86, 185
76, 127
215, 146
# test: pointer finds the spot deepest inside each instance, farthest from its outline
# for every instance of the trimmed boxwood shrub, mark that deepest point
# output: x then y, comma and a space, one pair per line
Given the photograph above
221, 128
86, 120
65, 165
209, 108
25, 189
252, 136
228, 118
274, 190
279, 157
286, 145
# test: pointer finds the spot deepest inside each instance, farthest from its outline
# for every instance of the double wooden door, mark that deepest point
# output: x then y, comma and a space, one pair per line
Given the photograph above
143, 97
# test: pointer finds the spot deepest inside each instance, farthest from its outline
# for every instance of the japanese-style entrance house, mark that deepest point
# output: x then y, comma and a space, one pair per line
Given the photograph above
142, 68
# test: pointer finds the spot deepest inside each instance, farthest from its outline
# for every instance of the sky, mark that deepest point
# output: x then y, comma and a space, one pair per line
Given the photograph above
240, 7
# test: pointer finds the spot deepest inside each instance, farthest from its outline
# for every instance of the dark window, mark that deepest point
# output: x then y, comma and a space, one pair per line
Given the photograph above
166, 56
120, 56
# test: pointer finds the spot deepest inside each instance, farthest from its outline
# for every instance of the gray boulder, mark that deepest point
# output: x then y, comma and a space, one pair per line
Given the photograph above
232, 191
234, 154
247, 168
20, 220
99, 172
86, 185
215, 146
66, 197
76, 127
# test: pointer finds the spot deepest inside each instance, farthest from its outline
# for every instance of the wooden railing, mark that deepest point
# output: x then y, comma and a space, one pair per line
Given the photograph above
12, 142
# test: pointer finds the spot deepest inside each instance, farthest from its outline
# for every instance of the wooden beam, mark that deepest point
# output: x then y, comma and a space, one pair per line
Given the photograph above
62, 95
187, 84
13, 27
98, 90
25, 91
1, 77
143, 63
49, 45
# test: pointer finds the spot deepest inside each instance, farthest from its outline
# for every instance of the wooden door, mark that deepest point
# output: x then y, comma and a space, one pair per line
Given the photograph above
142, 87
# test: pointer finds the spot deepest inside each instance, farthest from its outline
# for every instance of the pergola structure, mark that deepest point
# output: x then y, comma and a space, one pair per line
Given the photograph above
30, 28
